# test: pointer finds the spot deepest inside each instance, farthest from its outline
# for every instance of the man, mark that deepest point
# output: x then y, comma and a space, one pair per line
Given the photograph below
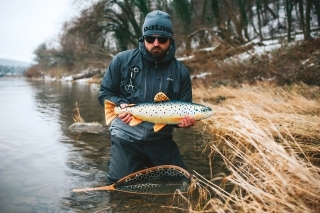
136, 76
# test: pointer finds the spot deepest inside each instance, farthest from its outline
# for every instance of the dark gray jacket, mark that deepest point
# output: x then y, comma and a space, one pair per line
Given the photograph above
167, 75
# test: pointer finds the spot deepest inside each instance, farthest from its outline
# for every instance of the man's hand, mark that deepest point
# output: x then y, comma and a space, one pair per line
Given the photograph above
187, 122
125, 117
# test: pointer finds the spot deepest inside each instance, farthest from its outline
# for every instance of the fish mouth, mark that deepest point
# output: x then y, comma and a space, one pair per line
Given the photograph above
208, 114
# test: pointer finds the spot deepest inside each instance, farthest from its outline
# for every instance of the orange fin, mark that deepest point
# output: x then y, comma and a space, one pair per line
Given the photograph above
130, 105
158, 127
108, 103
160, 97
135, 121
109, 111
109, 119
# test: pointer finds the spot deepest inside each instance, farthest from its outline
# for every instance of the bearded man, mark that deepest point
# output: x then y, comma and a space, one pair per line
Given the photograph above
136, 76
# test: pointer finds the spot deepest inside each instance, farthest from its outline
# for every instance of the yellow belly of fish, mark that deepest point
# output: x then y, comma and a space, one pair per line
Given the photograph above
159, 119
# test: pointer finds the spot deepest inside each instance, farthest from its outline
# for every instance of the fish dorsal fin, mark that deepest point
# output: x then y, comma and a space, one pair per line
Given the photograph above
135, 121
158, 127
160, 97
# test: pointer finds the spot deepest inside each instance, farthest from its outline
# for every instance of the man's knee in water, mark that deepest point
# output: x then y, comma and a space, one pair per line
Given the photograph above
111, 180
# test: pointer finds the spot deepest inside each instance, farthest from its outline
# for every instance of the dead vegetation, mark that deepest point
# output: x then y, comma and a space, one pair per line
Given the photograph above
284, 66
76, 115
269, 139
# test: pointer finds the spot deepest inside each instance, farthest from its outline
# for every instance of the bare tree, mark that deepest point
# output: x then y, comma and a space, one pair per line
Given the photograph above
289, 7
316, 4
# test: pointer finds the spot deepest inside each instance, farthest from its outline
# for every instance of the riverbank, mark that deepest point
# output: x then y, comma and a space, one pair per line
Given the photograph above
269, 138
275, 61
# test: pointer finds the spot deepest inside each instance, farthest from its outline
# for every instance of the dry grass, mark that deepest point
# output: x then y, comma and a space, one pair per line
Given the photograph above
284, 108
268, 137
76, 115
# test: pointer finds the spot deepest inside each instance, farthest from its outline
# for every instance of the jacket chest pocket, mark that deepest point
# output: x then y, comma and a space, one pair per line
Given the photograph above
171, 88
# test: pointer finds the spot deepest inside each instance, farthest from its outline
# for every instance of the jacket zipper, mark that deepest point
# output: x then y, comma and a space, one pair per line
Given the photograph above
156, 68
145, 85
160, 82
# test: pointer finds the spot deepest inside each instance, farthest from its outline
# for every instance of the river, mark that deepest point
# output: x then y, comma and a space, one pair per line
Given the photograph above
42, 160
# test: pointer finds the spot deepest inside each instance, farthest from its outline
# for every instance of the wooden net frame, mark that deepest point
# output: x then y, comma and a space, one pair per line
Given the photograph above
158, 180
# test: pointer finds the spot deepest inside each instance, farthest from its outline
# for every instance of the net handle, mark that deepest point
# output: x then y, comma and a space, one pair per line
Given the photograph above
101, 188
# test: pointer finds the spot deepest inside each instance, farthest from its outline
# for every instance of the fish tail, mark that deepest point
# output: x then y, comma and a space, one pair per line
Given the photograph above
109, 111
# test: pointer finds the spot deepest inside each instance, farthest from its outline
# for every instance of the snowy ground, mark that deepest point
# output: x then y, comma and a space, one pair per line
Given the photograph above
260, 48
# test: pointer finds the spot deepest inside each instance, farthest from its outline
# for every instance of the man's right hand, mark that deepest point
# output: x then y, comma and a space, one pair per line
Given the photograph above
125, 117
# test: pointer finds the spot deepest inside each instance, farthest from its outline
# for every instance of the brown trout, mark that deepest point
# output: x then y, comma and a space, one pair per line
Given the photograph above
161, 112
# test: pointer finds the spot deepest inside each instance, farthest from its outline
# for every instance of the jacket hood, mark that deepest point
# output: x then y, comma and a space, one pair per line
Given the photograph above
170, 54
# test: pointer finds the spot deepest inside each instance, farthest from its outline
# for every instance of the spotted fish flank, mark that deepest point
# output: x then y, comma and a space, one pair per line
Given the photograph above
161, 112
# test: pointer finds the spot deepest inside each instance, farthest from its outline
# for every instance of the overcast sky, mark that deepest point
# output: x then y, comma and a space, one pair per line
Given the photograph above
25, 24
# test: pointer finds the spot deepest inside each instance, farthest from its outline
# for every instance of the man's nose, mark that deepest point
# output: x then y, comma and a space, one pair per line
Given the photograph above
156, 42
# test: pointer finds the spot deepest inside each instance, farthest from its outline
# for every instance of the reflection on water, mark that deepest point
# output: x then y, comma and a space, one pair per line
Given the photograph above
42, 161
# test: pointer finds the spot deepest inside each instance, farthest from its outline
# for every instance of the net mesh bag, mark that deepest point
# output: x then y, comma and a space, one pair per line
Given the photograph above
159, 180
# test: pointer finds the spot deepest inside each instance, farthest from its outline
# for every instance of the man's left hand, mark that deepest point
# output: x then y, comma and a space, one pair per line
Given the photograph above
187, 122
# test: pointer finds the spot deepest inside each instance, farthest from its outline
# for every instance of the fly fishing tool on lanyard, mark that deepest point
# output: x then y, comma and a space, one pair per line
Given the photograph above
134, 70
159, 180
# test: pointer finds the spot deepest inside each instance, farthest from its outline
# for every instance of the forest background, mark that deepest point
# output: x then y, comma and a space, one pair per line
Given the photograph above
206, 31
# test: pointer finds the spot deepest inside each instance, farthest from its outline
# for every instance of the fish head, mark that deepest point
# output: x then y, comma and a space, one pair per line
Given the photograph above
202, 112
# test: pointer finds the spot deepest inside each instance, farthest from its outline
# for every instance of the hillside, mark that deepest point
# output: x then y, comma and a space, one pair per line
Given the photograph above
14, 63
272, 61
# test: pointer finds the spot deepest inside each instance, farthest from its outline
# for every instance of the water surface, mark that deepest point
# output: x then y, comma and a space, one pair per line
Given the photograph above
42, 161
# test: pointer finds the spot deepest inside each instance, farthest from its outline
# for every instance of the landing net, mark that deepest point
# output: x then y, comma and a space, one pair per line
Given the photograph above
160, 180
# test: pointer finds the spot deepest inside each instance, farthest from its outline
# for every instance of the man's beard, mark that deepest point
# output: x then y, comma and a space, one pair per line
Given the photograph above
158, 52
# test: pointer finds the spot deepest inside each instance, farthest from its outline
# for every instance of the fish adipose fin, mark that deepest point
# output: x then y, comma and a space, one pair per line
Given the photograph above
135, 121
160, 97
109, 111
158, 127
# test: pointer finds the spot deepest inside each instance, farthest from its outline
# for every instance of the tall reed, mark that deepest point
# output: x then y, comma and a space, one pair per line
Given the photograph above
264, 135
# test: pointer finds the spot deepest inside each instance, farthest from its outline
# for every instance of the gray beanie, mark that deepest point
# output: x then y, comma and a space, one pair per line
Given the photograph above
157, 23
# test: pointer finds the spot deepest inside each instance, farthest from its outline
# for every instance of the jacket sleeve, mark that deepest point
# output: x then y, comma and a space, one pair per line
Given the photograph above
111, 83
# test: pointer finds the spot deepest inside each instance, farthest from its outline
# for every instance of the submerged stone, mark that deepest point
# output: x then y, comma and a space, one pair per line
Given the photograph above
86, 127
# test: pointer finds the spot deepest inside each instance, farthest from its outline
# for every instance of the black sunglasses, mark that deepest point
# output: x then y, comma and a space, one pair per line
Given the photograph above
161, 39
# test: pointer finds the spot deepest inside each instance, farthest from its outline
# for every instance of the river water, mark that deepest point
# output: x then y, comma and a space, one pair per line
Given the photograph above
41, 160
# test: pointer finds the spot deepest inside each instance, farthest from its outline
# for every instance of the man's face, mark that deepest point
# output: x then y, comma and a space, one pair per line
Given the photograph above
157, 45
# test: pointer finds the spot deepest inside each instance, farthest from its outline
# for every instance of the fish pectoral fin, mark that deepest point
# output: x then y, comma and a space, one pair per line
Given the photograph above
160, 97
135, 121
158, 127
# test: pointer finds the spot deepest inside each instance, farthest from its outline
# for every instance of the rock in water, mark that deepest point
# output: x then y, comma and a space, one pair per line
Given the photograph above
86, 127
